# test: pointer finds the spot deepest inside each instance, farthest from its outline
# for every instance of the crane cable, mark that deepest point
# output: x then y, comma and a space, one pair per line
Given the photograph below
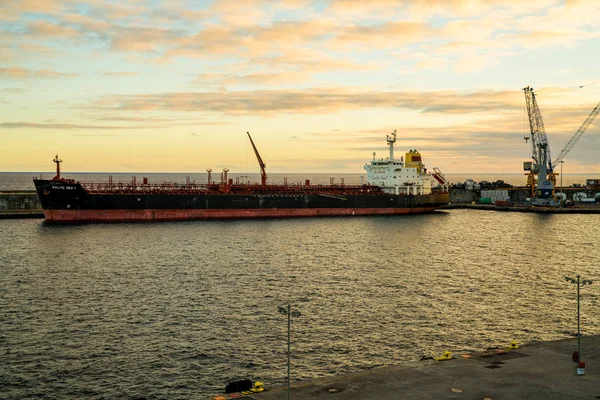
589, 84
526, 129
568, 88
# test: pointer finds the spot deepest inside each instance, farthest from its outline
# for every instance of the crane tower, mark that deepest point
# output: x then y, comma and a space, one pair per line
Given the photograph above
540, 172
540, 177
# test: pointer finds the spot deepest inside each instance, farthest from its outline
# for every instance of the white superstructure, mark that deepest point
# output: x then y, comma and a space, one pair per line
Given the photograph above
407, 175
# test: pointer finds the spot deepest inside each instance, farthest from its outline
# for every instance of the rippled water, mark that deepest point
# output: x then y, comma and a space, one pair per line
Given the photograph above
177, 310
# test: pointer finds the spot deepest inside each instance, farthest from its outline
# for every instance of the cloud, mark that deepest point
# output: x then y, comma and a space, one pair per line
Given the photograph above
141, 38
25, 73
443, 8
87, 24
45, 73
462, 34
36, 125
47, 29
118, 10
14, 72
311, 101
146, 123
129, 118
386, 35
83, 135
12, 10
224, 80
120, 74
14, 90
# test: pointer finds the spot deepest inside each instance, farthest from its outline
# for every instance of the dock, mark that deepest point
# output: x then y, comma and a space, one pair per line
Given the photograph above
577, 209
533, 371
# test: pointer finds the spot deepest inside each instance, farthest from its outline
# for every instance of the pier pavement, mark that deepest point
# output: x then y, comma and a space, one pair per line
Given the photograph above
534, 371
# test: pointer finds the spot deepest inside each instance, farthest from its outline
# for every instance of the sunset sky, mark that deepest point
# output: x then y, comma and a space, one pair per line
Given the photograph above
173, 86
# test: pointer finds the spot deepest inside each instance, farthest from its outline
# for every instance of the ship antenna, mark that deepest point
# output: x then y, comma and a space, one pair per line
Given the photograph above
57, 161
391, 139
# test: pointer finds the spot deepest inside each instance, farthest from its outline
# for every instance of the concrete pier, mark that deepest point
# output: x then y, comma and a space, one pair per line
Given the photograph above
534, 371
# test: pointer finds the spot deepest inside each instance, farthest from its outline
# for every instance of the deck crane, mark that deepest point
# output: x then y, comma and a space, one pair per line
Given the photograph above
543, 166
263, 173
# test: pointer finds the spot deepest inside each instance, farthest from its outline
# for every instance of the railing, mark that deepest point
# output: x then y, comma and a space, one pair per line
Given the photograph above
221, 188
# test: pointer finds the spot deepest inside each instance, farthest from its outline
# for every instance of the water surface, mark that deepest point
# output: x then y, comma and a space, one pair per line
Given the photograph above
177, 310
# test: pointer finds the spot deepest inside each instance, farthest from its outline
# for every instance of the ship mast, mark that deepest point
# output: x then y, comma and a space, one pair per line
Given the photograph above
57, 161
263, 173
391, 139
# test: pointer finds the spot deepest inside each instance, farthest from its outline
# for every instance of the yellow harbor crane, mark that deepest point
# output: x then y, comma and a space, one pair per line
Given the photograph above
541, 177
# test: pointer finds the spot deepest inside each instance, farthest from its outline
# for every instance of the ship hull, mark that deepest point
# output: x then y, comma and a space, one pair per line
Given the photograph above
70, 203
74, 216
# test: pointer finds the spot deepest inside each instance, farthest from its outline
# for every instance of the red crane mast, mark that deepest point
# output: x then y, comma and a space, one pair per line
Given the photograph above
263, 173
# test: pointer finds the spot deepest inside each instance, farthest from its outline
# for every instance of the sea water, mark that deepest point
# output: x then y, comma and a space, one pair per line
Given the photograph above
177, 310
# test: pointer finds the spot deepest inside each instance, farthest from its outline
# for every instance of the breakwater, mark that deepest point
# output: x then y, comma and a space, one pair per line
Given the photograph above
20, 204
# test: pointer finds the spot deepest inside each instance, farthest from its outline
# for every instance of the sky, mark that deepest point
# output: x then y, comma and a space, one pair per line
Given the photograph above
173, 86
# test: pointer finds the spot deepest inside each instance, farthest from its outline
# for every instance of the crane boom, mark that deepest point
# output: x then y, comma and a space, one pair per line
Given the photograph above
263, 173
577, 134
539, 139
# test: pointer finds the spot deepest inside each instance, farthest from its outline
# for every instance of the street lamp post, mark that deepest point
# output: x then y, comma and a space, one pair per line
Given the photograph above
286, 310
579, 283
561, 174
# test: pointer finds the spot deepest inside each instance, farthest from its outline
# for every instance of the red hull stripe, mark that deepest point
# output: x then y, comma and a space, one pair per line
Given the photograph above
182, 215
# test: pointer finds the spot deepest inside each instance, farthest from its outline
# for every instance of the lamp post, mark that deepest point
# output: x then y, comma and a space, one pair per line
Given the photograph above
561, 186
579, 283
286, 310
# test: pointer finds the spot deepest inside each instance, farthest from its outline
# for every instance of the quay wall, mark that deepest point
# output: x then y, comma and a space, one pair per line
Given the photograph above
516, 194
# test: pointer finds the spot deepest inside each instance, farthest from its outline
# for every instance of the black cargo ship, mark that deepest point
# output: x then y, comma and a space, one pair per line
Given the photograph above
64, 200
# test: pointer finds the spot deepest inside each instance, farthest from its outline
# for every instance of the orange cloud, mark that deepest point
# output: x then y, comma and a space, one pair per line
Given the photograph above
47, 29
25, 73
224, 80
313, 101
140, 38
14, 72
12, 10
36, 125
